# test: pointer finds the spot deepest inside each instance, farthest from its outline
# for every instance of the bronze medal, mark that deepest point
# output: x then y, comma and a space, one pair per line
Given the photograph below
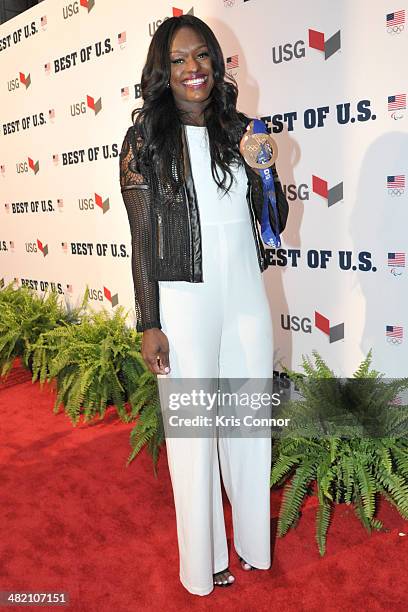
251, 146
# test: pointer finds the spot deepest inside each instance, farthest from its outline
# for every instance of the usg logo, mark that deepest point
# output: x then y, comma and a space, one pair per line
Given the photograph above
329, 46
334, 332
176, 12
295, 323
71, 9
100, 294
321, 187
297, 50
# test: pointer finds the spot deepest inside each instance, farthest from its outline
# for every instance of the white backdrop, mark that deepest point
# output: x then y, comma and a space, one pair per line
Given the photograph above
329, 79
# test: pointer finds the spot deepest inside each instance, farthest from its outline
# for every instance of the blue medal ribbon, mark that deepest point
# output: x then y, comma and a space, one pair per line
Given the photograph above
268, 236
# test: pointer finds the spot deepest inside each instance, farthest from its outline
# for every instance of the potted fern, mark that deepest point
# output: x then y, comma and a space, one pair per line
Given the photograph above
93, 357
348, 438
24, 317
95, 363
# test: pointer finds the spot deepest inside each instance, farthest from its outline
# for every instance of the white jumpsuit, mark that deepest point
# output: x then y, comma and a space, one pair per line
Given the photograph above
219, 328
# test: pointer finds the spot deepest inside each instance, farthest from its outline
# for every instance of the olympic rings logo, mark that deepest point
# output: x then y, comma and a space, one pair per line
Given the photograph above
256, 149
258, 145
396, 192
397, 29
394, 340
229, 3
252, 148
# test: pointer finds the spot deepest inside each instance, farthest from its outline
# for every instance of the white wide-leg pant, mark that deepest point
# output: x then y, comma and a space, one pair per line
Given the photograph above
219, 328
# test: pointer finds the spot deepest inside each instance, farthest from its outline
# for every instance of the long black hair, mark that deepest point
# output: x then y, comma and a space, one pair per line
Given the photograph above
159, 120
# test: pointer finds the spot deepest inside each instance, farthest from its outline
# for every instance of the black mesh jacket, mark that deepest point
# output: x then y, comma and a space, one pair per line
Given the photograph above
165, 226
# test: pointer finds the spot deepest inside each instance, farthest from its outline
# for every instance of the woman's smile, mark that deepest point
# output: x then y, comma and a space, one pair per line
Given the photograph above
197, 82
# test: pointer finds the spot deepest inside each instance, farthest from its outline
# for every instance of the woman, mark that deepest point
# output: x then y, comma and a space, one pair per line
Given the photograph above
197, 262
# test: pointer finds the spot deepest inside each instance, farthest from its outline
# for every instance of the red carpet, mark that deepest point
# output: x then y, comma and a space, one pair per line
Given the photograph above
75, 519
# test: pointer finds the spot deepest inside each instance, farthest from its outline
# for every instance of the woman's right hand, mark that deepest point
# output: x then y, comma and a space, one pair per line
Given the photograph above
155, 351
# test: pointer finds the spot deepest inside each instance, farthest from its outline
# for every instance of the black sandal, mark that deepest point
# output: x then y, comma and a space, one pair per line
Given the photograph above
246, 563
227, 582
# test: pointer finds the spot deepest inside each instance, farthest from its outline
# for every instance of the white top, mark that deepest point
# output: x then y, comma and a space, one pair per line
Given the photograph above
214, 205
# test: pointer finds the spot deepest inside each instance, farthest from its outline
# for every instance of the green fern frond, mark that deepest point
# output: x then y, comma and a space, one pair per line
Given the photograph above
325, 477
364, 367
348, 478
294, 494
147, 425
397, 489
360, 512
321, 368
322, 524
401, 460
367, 489
282, 467
376, 524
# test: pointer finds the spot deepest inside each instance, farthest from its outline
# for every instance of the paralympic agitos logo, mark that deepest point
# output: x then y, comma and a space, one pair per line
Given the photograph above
328, 46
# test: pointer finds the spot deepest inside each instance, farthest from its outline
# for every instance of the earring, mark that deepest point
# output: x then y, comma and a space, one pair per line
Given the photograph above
168, 84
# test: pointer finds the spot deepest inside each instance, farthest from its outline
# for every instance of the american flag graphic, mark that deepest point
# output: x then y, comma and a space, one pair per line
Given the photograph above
12, 244
69, 288
47, 68
396, 401
2, 169
401, 399
398, 102
60, 203
64, 246
396, 18
122, 38
51, 113
232, 62
396, 260
394, 331
55, 159
7, 206
43, 21
396, 182
124, 92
